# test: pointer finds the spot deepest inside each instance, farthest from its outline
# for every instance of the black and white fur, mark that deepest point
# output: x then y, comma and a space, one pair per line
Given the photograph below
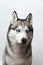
18, 50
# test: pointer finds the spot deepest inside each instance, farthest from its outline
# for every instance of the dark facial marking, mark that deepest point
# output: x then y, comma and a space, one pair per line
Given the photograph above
8, 37
8, 41
6, 63
29, 45
9, 27
21, 20
14, 28
7, 53
30, 54
31, 29
29, 48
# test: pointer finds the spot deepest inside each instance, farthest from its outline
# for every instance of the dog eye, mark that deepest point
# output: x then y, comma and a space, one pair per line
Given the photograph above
27, 31
17, 30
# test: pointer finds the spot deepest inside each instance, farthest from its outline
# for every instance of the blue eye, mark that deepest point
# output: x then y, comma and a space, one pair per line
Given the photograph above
27, 31
17, 30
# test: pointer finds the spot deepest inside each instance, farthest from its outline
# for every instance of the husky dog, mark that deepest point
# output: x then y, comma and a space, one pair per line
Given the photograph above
18, 50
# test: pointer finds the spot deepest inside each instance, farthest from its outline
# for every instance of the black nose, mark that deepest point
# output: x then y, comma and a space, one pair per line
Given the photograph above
24, 40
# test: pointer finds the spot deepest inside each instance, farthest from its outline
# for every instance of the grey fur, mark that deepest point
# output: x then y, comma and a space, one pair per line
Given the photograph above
19, 54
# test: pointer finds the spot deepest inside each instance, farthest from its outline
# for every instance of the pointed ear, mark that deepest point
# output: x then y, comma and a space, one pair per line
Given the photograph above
29, 19
14, 16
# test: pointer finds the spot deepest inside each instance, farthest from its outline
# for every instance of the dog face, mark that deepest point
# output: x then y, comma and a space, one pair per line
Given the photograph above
20, 31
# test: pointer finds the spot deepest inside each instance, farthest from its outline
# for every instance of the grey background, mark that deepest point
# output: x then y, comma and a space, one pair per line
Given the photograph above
23, 8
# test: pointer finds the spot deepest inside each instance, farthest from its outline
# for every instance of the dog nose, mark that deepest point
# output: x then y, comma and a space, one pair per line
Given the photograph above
24, 40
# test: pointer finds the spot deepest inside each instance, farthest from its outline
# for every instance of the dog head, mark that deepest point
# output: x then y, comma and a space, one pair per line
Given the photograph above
20, 31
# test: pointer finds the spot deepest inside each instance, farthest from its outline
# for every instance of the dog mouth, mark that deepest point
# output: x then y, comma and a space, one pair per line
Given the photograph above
22, 43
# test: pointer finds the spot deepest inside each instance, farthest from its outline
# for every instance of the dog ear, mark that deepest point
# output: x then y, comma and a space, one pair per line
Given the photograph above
14, 16
29, 19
